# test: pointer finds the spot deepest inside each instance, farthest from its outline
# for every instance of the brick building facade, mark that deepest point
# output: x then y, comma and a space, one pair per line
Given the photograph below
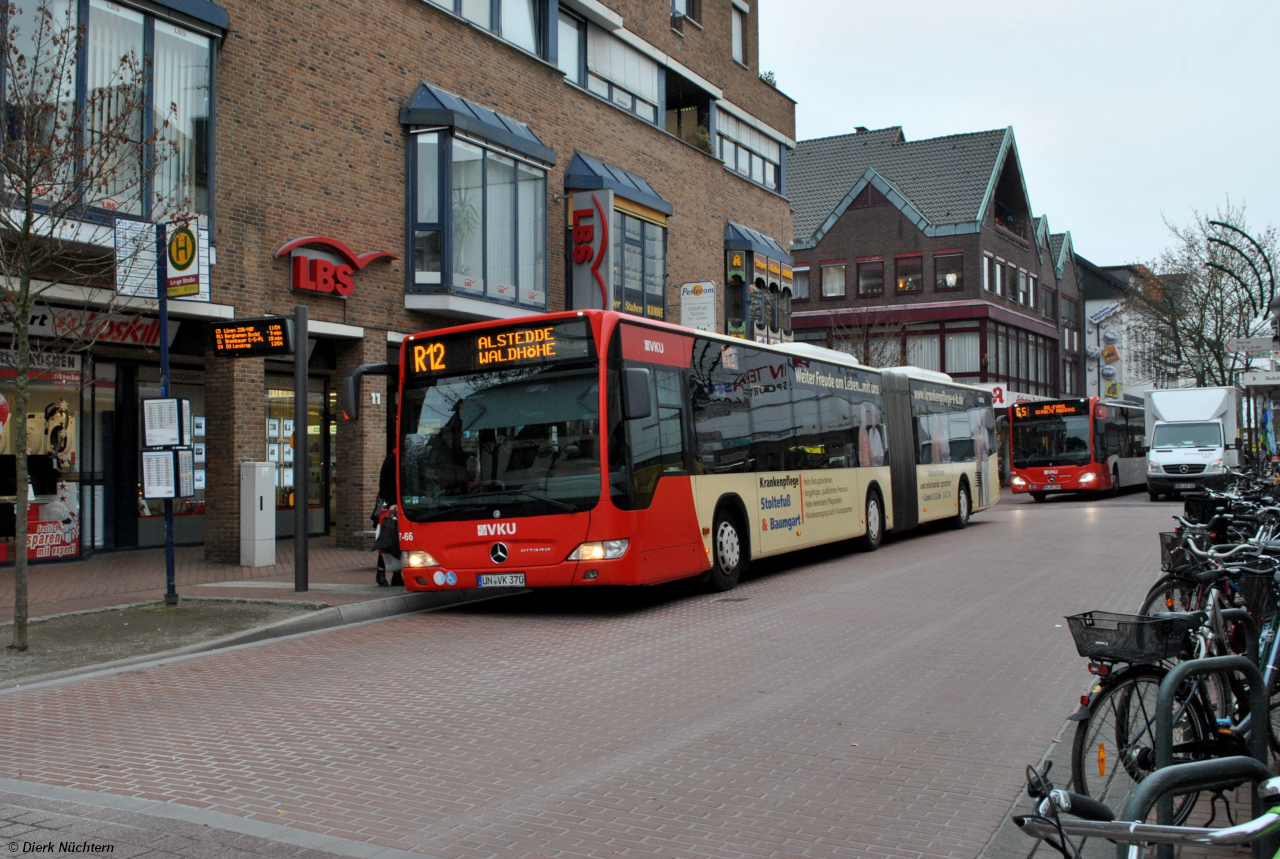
449, 135
928, 253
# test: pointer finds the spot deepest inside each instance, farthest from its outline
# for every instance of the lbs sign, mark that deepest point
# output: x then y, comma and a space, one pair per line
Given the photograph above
326, 265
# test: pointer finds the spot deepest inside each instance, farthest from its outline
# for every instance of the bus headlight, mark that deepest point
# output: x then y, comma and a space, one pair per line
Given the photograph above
605, 550
1018, 481
421, 559
1088, 478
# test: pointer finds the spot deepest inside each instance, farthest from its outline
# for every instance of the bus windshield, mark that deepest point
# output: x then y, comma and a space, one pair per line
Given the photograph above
523, 441
1187, 435
1051, 441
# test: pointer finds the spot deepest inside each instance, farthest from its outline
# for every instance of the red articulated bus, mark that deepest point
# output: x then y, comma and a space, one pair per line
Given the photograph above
1081, 445
592, 448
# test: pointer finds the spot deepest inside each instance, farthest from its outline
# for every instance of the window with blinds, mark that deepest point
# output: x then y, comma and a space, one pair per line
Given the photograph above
748, 151
620, 73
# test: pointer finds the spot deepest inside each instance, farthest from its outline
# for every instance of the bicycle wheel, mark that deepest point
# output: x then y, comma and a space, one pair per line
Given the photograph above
1114, 747
1172, 593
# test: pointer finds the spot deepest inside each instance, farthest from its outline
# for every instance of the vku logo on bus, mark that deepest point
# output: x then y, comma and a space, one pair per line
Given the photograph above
653, 346
496, 529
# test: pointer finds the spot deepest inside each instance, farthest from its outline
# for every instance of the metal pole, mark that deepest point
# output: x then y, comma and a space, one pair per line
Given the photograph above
162, 296
301, 465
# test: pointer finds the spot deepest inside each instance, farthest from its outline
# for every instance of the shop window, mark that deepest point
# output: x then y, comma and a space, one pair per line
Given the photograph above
800, 282
516, 21
871, 276
53, 435
909, 271
488, 239
640, 266
948, 271
833, 280
168, 79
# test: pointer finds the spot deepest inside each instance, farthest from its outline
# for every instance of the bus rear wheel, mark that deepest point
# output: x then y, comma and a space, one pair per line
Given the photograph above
728, 553
963, 508
870, 541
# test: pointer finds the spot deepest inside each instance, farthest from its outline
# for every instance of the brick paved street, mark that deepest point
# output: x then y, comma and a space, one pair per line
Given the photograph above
836, 705
123, 578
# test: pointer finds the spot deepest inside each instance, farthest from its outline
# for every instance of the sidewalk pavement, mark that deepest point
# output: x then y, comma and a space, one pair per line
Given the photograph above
110, 579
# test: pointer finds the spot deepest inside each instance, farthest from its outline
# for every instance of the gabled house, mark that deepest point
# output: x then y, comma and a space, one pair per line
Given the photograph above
927, 252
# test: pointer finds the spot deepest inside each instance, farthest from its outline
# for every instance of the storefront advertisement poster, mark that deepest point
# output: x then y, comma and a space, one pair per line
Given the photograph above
273, 452
199, 426
200, 478
199, 451
273, 428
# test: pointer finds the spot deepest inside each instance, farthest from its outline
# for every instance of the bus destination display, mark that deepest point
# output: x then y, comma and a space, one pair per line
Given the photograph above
492, 350
251, 337
1047, 410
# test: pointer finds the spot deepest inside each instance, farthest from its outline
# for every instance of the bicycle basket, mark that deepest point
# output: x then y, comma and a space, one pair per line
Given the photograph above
1256, 591
1127, 637
1174, 558
1199, 507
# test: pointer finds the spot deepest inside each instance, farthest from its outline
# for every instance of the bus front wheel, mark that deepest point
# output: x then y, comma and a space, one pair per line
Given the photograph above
728, 550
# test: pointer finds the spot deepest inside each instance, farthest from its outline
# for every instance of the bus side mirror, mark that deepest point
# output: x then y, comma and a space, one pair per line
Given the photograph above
351, 387
635, 393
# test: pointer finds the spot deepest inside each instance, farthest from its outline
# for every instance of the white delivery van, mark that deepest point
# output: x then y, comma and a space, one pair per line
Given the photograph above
1191, 436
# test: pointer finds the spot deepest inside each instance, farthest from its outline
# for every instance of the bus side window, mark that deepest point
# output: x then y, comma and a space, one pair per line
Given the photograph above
1100, 451
1137, 430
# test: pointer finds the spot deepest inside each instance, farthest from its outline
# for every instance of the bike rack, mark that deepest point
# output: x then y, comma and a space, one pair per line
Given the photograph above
1214, 774
1164, 726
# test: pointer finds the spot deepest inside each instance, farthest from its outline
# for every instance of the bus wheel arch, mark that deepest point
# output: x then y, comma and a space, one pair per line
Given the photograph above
964, 505
730, 544
873, 507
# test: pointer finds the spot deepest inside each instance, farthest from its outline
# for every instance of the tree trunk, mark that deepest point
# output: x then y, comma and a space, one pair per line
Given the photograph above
18, 438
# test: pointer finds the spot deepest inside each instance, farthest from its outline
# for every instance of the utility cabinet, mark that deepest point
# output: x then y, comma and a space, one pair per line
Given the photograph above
257, 514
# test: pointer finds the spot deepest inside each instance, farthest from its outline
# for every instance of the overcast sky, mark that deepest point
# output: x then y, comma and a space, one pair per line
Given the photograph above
1125, 112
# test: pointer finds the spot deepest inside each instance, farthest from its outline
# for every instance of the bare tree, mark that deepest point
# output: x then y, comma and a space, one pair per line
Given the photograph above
1212, 284
873, 338
61, 159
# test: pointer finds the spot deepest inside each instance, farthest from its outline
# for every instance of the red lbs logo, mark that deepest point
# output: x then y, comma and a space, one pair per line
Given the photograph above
330, 267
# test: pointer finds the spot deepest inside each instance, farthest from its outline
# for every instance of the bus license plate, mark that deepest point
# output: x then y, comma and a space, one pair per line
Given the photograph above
1184, 486
1051, 487
503, 580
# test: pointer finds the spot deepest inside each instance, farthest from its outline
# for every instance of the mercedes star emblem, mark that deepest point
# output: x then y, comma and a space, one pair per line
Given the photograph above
498, 552
1184, 469
497, 514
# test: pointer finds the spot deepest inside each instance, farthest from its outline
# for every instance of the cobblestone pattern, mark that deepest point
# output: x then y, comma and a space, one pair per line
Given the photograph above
872, 705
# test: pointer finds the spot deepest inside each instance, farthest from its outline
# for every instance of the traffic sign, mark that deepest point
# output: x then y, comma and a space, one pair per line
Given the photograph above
1257, 347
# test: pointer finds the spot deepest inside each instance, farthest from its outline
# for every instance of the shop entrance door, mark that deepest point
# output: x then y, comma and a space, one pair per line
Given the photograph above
280, 452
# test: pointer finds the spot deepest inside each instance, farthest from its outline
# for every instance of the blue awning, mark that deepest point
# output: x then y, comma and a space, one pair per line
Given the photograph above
201, 10
740, 238
436, 107
589, 174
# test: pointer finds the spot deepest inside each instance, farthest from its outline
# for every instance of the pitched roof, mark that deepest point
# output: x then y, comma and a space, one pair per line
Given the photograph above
945, 179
